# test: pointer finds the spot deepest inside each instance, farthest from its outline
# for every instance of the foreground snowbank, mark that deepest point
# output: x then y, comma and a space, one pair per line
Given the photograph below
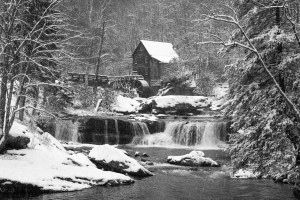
111, 158
46, 166
194, 158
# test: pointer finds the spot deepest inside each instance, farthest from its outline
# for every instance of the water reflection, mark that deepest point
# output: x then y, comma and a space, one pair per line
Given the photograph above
180, 183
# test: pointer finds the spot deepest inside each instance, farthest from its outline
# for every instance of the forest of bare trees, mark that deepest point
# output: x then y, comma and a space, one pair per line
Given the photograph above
110, 30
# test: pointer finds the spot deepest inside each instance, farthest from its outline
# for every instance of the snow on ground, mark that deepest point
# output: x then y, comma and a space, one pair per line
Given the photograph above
145, 117
220, 92
109, 155
78, 146
125, 105
172, 100
218, 103
128, 105
46, 164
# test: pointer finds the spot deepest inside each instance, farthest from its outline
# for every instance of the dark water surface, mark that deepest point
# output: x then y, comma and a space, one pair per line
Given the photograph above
171, 182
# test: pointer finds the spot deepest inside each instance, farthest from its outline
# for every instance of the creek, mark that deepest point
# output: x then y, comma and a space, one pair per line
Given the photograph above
159, 141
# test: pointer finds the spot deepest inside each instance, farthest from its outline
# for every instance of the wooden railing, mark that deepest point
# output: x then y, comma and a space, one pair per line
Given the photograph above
102, 79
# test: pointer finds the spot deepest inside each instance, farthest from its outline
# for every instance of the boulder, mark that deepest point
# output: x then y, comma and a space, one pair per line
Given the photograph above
244, 174
280, 178
145, 155
175, 104
194, 158
147, 106
112, 159
136, 154
19, 142
149, 163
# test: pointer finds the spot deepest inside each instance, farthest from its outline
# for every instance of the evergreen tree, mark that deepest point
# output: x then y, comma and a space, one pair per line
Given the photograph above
265, 125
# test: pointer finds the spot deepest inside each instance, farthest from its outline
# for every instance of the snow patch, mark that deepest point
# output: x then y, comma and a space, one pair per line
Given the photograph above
125, 105
47, 165
172, 100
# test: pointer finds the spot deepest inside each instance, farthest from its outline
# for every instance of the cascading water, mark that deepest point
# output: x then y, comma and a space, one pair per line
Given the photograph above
201, 134
117, 131
209, 134
140, 131
66, 130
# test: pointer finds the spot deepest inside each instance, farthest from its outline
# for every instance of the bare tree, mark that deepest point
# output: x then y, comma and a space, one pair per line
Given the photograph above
19, 69
248, 45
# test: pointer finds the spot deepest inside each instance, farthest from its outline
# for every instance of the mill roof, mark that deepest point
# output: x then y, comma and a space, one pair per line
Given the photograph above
161, 51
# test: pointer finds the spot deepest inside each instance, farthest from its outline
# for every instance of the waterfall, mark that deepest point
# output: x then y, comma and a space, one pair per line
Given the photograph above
117, 132
66, 130
200, 134
156, 126
105, 132
139, 130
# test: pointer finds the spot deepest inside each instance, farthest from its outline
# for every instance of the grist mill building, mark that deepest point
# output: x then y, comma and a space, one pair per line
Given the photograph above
150, 58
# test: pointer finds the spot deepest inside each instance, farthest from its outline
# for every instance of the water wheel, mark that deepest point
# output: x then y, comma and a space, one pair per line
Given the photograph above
141, 86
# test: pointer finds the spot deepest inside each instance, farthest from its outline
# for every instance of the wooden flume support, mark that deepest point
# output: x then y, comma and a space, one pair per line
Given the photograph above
134, 81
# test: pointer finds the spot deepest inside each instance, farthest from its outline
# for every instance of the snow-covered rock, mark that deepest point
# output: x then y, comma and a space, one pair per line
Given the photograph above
111, 158
172, 103
136, 154
125, 105
173, 100
194, 158
46, 166
146, 117
244, 174
175, 104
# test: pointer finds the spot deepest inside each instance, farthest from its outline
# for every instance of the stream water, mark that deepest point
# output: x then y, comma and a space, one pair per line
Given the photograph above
178, 182
175, 182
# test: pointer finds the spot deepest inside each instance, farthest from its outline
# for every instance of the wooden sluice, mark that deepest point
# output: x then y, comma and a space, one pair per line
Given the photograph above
134, 81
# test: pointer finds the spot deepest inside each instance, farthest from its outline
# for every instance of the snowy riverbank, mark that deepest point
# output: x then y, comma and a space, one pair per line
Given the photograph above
45, 166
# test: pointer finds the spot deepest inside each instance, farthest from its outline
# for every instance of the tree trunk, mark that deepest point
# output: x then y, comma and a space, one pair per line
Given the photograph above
99, 58
279, 52
35, 103
21, 104
86, 77
3, 96
5, 120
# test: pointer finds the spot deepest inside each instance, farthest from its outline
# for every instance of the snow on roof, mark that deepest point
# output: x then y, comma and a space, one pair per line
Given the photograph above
161, 51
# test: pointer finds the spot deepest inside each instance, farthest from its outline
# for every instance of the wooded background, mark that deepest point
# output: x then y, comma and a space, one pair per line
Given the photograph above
111, 30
